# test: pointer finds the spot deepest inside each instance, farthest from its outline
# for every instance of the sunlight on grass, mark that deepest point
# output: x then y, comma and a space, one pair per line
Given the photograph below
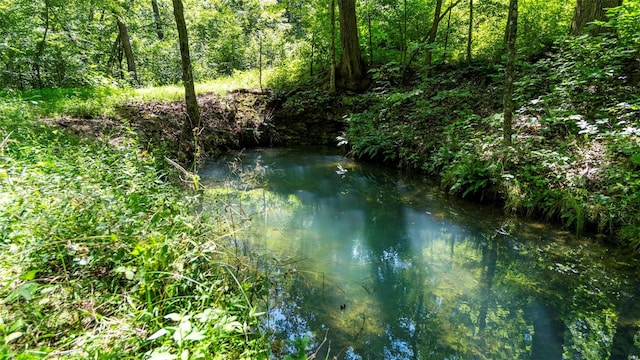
103, 101
220, 86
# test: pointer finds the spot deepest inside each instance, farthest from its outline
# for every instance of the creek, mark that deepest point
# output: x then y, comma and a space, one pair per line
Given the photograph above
375, 264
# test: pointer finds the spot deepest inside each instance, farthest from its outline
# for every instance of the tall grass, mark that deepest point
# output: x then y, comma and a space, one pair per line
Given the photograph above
102, 255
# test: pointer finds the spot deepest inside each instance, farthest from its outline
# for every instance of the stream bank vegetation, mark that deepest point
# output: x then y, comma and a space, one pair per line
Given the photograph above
104, 252
105, 255
576, 142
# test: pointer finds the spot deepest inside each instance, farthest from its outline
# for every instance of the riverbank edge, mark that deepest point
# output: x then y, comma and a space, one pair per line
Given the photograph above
447, 128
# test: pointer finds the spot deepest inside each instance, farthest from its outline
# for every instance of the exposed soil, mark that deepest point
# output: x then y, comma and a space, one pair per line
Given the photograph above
243, 118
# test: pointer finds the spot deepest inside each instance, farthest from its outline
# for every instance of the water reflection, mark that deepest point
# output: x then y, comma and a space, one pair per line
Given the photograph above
385, 266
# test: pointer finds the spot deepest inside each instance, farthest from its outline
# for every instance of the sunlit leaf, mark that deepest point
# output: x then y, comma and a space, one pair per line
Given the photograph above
29, 275
162, 356
13, 337
195, 335
173, 317
158, 334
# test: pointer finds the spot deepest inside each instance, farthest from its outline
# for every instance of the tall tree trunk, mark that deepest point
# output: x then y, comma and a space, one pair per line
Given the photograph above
446, 39
587, 11
157, 19
431, 39
470, 34
352, 69
192, 122
414, 53
42, 45
128, 50
332, 74
507, 101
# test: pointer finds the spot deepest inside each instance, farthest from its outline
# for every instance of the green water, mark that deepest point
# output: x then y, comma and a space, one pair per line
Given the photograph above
374, 264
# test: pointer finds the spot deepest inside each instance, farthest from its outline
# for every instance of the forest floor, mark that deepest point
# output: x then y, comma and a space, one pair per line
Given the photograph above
227, 122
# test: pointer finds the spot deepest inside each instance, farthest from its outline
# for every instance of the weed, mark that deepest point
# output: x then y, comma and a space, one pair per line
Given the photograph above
103, 255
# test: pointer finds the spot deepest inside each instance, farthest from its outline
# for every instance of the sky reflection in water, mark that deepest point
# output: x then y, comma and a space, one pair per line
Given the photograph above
387, 267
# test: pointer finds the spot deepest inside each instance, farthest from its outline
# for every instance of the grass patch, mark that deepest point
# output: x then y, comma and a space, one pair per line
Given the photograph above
102, 255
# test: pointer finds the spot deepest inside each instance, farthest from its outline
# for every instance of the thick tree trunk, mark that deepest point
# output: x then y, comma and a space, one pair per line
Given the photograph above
157, 19
192, 122
511, 36
352, 69
587, 11
128, 50
332, 74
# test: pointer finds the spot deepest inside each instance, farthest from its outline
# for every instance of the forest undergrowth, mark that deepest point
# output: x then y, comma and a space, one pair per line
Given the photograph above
104, 252
576, 144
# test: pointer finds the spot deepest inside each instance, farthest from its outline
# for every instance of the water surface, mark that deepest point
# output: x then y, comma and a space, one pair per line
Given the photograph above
379, 265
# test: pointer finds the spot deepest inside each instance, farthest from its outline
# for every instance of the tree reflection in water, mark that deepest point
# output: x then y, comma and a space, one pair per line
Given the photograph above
386, 266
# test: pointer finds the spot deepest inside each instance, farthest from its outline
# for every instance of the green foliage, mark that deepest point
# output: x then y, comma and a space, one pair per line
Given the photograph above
99, 250
80, 46
575, 155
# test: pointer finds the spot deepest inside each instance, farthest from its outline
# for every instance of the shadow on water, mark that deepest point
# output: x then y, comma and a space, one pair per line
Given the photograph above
387, 267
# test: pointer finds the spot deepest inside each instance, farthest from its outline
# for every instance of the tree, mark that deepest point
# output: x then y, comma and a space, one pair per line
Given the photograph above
332, 75
431, 37
128, 50
192, 121
588, 11
42, 44
351, 69
507, 101
157, 19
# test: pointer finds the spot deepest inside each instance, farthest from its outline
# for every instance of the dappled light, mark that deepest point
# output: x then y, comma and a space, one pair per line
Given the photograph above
319, 179
376, 274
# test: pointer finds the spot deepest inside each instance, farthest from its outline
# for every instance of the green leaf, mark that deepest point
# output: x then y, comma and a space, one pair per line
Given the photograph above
29, 275
28, 290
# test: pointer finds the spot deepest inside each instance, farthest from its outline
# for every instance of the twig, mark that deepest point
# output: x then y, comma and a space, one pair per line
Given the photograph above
313, 356
5, 141
191, 177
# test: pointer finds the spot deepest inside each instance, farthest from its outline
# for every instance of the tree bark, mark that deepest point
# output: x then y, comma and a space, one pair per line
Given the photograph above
128, 50
157, 19
433, 32
446, 39
192, 122
352, 68
588, 11
511, 36
414, 53
42, 45
332, 74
